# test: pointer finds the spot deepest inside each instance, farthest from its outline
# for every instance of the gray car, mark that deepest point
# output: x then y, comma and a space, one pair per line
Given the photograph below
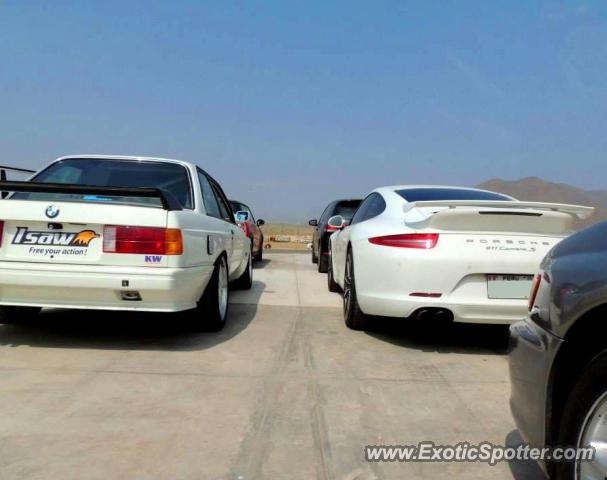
558, 358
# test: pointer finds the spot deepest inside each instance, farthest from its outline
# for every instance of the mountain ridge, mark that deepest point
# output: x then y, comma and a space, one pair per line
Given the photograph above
535, 189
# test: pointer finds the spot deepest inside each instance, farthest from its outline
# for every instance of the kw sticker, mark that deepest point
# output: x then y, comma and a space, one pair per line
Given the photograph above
25, 236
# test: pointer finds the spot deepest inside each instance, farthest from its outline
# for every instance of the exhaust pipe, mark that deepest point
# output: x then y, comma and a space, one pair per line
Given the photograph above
433, 314
130, 296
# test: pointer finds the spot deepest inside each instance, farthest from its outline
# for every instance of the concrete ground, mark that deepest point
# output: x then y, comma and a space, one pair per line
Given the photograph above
284, 392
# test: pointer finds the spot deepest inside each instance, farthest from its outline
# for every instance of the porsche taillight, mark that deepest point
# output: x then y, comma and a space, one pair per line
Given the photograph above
142, 240
424, 241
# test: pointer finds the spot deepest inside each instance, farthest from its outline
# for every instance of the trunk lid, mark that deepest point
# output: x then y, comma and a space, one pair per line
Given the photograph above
74, 236
499, 243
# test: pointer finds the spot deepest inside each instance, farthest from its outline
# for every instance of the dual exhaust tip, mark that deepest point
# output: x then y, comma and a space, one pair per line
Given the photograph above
433, 314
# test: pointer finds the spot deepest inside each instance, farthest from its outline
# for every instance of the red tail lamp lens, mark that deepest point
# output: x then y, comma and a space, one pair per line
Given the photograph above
424, 241
142, 240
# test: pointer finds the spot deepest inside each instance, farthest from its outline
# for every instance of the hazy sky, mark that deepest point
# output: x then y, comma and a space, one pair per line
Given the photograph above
292, 104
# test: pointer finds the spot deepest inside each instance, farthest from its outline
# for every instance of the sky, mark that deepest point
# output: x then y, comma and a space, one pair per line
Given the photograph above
291, 104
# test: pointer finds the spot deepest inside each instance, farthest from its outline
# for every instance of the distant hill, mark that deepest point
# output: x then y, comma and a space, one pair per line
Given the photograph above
535, 189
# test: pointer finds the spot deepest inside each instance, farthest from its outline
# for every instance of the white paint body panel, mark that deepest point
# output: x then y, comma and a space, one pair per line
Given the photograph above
457, 267
95, 280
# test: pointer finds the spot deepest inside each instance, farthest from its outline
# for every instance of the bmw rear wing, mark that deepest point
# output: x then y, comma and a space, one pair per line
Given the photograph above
4, 169
167, 199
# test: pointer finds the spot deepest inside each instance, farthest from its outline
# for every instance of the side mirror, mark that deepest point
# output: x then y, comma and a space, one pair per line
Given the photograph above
242, 216
313, 223
260, 222
337, 222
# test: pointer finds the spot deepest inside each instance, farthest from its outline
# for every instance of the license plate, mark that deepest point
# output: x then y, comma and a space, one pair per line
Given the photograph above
514, 287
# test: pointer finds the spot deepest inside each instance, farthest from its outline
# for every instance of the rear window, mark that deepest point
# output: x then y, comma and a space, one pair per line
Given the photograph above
429, 194
238, 207
347, 209
114, 173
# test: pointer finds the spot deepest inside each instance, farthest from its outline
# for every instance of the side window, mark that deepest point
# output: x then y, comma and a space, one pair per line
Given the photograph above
372, 206
377, 206
208, 196
224, 205
358, 216
326, 214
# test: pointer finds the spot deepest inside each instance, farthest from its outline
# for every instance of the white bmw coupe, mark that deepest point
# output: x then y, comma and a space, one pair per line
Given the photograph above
428, 252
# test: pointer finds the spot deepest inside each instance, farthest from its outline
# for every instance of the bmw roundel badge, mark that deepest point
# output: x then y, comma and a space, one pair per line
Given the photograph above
52, 211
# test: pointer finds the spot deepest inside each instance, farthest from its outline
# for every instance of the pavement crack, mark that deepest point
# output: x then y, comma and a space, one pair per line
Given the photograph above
254, 447
320, 432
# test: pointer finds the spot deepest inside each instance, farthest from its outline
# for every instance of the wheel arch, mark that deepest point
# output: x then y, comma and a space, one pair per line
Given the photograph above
584, 343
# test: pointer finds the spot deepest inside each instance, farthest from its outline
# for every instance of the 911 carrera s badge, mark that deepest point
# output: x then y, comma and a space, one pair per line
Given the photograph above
52, 211
25, 236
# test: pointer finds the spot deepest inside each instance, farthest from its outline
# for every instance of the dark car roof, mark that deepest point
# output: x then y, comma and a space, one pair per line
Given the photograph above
240, 203
590, 240
343, 200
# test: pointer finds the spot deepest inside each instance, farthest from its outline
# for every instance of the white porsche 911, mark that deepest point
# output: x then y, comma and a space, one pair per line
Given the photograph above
427, 252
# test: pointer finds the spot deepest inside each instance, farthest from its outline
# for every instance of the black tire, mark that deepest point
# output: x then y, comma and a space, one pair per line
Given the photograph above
323, 263
354, 317
245, 281
18, 315
259, 255
331, 283
208, 315
591, 386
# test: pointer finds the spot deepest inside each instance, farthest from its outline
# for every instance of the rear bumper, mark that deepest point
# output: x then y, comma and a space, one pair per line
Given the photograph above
390, 280
472, 310
532, 353
89, 287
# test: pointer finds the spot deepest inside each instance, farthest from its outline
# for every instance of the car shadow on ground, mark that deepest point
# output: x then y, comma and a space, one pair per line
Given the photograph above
110, 330
262, 263
442, 337
523, 469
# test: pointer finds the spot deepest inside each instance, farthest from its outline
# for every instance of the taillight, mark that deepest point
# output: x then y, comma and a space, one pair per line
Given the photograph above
244, 226
331, 228
424, 241
535, 287
142, 240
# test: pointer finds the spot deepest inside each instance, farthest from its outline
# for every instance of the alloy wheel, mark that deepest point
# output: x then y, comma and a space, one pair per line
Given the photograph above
348, 285
223, 289
593, 434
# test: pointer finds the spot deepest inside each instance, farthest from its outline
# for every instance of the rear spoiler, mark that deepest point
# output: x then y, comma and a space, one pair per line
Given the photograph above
168, 200
508, 206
